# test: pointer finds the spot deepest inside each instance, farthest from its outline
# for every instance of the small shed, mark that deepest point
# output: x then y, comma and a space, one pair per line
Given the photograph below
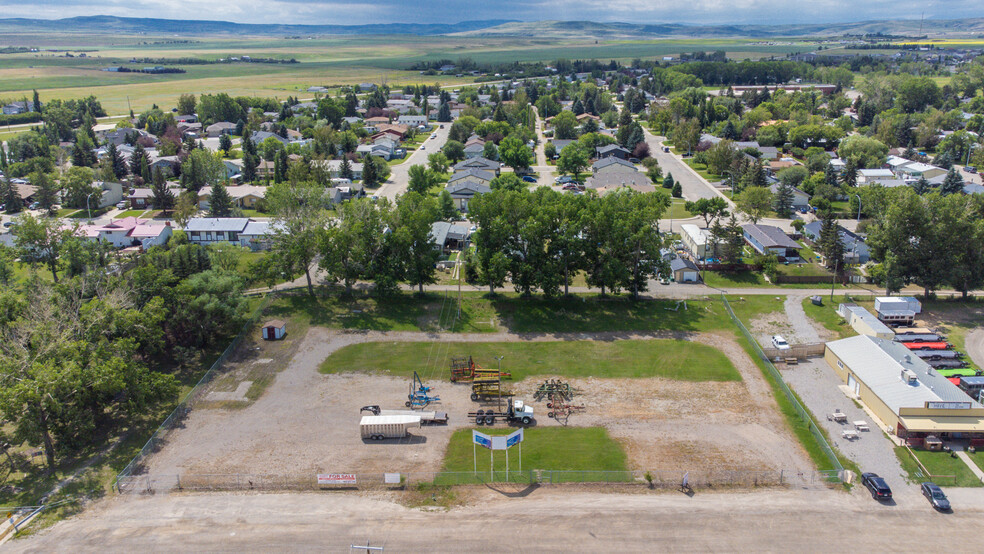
274, 329
684, 271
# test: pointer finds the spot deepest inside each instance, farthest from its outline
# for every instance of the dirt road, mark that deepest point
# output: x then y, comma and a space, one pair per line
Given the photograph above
544, 519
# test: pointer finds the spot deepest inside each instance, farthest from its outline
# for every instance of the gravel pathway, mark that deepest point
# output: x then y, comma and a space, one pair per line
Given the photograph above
802, 325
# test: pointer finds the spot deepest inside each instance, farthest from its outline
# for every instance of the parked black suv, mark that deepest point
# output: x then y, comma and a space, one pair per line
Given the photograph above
877, 486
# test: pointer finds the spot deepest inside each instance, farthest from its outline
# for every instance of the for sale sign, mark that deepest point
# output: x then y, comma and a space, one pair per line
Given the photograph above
336, 479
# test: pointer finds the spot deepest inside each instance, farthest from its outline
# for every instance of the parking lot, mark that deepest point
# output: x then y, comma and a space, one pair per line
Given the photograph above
819, 388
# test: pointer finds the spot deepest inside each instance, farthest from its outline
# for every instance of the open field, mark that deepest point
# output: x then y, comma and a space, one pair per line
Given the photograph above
660, 423
328, 61
670, 359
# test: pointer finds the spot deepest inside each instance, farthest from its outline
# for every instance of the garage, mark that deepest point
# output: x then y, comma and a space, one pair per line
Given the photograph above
684, 271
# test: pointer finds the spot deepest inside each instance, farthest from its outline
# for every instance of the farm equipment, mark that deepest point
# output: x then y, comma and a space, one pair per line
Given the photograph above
488, 389
425, 417
562, 410
554, 389
465, 369
516, 412
419, 393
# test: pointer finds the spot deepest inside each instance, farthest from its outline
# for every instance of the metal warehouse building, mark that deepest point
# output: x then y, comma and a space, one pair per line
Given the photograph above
905, 392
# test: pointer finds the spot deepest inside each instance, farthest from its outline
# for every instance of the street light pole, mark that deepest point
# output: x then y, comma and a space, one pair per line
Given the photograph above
87, 209
498, 361
859, 206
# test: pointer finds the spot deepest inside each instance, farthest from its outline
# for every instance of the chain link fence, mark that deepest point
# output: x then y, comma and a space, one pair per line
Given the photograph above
800, 410
148, 483
195, 395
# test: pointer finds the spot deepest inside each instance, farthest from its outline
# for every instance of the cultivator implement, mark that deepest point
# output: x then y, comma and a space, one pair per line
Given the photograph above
465, 369
554, 390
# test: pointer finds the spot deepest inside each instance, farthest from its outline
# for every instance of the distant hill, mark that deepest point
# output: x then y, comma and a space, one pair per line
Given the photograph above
495, 28
589, 29
133, 25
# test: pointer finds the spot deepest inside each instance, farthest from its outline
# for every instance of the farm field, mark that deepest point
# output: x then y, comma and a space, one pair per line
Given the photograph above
324, 61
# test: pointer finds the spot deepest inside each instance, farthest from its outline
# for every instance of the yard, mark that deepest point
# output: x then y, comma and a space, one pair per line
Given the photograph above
669, 359
945, 469
702, 170
827, 316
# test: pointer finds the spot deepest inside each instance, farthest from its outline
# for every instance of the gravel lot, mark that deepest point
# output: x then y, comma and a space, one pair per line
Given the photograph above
305, 422
817, 385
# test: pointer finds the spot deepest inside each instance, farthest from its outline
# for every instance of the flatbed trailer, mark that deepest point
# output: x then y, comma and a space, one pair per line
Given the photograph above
946, 364
937, 354
925, 337
926, 345
957, 372
426, 417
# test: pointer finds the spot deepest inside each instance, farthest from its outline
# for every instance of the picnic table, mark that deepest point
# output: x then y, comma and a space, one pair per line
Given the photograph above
861, 425
838, 416
850, 434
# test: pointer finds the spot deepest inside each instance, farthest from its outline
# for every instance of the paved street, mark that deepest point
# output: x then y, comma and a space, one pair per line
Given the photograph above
400, 173
694, 186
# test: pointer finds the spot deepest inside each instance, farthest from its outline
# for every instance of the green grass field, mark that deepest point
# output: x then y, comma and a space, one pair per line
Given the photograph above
670, 359
552, 448
945, 469
827, 316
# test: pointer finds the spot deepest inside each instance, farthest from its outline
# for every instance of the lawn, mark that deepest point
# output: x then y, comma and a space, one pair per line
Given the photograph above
66, 212
84, 214
739, 279
671, 359
702, 170
549, 448
130, 213
254, 213
827, 316
677, 211
510, 312
945, 470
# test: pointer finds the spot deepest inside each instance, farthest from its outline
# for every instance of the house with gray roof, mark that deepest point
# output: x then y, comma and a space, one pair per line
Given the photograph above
612, 150
212, 230
768, 239
855, 249
479, 162
476, 176
450, 236
612, 164
463, 191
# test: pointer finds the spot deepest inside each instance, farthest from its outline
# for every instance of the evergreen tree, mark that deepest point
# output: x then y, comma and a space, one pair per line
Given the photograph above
578, 107
145, 169
116, 161
677, 191
446, 206
851, 173
783, 201
345, 169
10, 196
136, 160
444, 113
3, 158
249, 167
370, 175
37, 101
163, 197
82, 154
240, 128
225, 143
499, 114
668, 181
921, 186
953, 183
830, 175
830, 242
45, 192
220, 203
280, 167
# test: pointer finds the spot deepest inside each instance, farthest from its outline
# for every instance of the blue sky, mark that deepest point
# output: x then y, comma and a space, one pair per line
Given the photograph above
451, 11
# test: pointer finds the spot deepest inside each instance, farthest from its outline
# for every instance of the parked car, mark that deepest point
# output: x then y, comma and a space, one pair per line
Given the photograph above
666, 149
779, 342
970, 169
935, 495
564, 179
34, 205
877, 486
8, 224
121, 205
634, 160
529, 178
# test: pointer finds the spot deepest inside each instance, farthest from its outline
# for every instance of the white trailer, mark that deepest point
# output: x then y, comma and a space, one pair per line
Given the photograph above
897, 304
387, 426
425, 417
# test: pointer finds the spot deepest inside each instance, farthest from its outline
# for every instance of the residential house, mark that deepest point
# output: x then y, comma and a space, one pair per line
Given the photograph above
801, 200
266, 169
612, 165
125, 135
608, 181
259, 136
915, 170
462, 191
855, 249
769, 153
127, 232
612, 150
234, 168
873, 176
189, 118
413, 120
479, 162
15, 108
382, 150
767, 239
699, 243
334, 168
559, 144
450, 236
243, 196
212, 230
257, 235
141, 199
166, 164
221, 128
112, 193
